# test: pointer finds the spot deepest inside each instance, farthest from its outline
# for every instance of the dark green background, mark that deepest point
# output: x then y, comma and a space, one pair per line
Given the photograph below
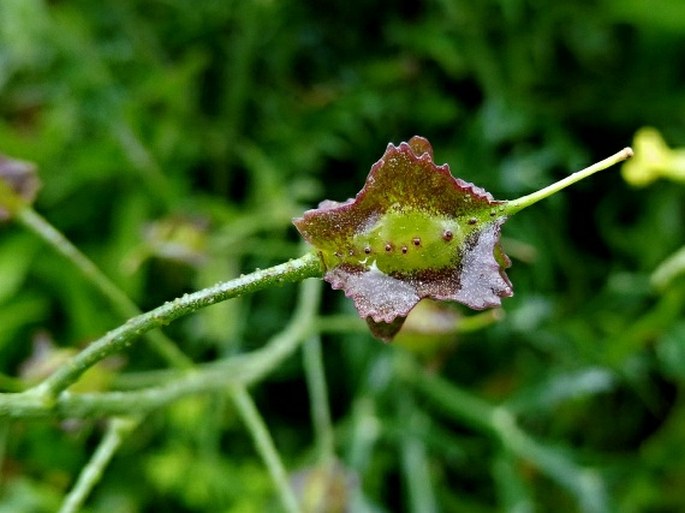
230, 117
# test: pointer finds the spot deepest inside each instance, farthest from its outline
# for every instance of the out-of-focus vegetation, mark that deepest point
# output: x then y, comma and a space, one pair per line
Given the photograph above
175, 141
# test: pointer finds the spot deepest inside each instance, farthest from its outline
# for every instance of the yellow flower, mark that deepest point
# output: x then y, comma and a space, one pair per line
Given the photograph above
653, 160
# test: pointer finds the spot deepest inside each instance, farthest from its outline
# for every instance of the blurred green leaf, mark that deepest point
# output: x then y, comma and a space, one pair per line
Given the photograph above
16, 257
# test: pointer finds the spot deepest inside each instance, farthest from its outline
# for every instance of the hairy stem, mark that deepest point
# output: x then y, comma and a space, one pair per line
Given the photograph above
514, 206
123, 305
307, 266
45, 394
170, 385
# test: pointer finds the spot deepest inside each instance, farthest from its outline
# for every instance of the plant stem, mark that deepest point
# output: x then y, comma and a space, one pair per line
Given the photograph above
586, 485
126, 308
415, 464
318, 496
307, 266
91, 474
365, 432
318, 392
265, 446
513, 486
172, 385
513, 206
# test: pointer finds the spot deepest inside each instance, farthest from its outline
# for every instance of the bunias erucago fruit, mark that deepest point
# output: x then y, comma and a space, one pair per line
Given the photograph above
414, 231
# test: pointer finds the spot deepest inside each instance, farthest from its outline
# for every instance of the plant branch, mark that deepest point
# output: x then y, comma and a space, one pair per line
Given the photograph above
90, 475
265, 446
513, 206
172, 385
307, 266
318, 392
123, 305
584, 483
318, 496
415, 462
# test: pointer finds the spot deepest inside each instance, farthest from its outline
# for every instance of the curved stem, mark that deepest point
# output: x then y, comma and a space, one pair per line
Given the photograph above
124, 306
513, 206
307, 266
171, 385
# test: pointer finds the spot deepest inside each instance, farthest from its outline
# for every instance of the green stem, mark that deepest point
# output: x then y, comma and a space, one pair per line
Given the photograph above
265, 446
318, 392
584, 483
91, 474
415, 462
364, 434
126, 308
513, 206
513, 486
157, 183
170, 385
307, 266
319, 496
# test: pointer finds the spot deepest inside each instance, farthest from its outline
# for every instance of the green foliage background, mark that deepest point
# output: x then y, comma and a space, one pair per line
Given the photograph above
175, 141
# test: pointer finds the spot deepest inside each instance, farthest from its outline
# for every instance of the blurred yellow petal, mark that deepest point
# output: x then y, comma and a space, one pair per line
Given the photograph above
653, 160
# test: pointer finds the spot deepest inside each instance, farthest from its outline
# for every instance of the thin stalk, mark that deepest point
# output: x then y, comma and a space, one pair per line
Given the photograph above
513, 206
243, 51
307, 266
171, 385
117, 430
415, 464
513, 486
266, 448
318, 398
157, 183
585, 484
123, 305
364, 434
318, 496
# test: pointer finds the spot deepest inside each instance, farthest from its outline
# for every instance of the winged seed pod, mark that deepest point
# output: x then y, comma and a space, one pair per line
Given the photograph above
414, 231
